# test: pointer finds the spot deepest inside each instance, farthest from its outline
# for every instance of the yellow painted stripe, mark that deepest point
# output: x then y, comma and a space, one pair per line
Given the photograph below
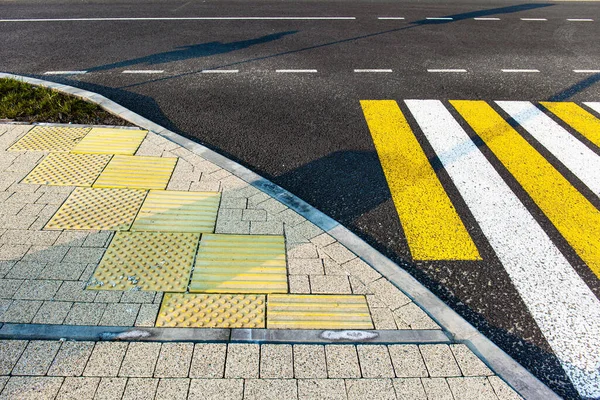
433, 229
581, 120
572, 214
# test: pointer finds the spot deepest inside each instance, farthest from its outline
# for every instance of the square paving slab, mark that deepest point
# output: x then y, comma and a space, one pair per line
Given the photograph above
65, 169
212, 311
152, 261
50, 138
111, 141
240, 264
176, 211
133, 172
99, 209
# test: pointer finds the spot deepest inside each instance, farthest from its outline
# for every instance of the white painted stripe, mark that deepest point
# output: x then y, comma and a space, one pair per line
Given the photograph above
373, 70
390, 18
178, 19
587, 71
576, 156
594, 105
534, 19
446, 70
520, 70
220, 71
143, 71
580, 19
486, 19
296, 70
440, 18
65, 72
564, 308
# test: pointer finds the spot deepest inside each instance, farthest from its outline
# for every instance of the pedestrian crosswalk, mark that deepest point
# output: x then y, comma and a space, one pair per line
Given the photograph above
522, 142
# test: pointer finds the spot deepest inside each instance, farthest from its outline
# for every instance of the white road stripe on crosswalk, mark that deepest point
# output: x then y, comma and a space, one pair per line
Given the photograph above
563, 306
594, 105
576, 156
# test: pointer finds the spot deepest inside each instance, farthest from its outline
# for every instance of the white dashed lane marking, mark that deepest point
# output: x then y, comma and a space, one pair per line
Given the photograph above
587, 71
180, 19
486, 19
65, 72
297, 71
521, 70
534, 19
384, 18
143, 71
373, 70
580, 19
446, 70
220, 71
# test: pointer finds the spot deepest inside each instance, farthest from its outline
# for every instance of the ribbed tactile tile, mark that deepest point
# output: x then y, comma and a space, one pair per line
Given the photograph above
212, 311
101, 209
176, 211
147, 261
65, 169
240, 264
291, 311
137, 172
50, 138
111, 141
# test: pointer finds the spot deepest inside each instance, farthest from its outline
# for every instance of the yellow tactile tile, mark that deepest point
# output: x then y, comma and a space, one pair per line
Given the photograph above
65, 169
176, 211
147, 261
137, 172
50, 138
212, 311
111, 141
292, 311
240, 264
101, 209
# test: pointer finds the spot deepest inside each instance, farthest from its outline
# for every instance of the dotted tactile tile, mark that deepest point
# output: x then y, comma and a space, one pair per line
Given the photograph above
68, 169
111, 141
240, 264
99, 209
212, 311
137, 172
50, 138
176, 211
147, 261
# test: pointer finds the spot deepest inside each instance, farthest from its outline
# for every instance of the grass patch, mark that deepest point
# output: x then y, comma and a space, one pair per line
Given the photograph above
20, 101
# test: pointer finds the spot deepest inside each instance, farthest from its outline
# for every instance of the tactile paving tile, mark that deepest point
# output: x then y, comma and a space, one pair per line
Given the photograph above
68, 169
137, 172
147, 261
292, 311
176, 211
50, 138
240, 264
101, 209
111, 141
212, 311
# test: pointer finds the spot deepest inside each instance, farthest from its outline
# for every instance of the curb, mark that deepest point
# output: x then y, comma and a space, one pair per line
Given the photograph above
457, 328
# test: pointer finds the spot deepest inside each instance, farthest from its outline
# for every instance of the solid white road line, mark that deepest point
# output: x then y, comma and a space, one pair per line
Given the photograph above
440, 18
534, 19
220, 71
446, 70
580, 19
562, 305
178, 19
520, 70
143, 71
299, 71
594, 105
576, 156
486, 19
65, 72
373, 70
587, 71
390, 18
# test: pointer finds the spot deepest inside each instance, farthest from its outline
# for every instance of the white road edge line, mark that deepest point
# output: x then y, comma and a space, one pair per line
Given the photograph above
220, 71
486, 19
446, 70
594, 105
440, 18
296, 71
521, 70
390, 18
580, 19
586, 71
534, 19
179, 19
65, 72
143, 71
563, 306
373, 70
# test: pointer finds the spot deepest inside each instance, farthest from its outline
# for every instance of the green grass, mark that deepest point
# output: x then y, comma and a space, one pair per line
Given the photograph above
21, 101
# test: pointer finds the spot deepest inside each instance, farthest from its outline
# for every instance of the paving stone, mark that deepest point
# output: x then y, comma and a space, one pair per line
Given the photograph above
321, 389
229, 202
10, 352
46, 253
8, 287
108, 296
302, 250
289, 217
389, 294
183, 185
358, 287
334, 284
439, 360
36, 358
242, 361
372, 389
52, 312
85, 314
502, 390
233, 227
121, 314
267, 389
308, 266
254, 215
333, 268
374, 302
5, 267
21, 311
256, 199
412, 315
322, 240
140, 296
172, 389
140, 359
276, 361
204, 186
71, 238
299, 284
21, 222
467, 388
98, 239
208, 360
216, 389
342, 361
309, 361
31, 210
409, 389
71, 359
9, 252
31, 388
271, 205
407, 361
4, 306
3, 380
106, 359
437, 388
383, 318
229, 214
62, 271
147, 315
87, 273
21, 236
110, 388
174, 360
469, 363
339, 252
23, 197
53, 198
37, 290
140, 389
75, 291
361, 270
84, 255
78, 388
10, 209
375, 361
266, 228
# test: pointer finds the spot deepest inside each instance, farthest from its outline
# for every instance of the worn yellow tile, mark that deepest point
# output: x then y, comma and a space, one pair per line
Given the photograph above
134, 172
111, 141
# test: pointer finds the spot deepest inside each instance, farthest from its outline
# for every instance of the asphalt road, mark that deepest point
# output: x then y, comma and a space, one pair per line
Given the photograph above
306, 130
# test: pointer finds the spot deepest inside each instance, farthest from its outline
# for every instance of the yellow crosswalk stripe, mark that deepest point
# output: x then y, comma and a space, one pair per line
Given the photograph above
432, 227
572, 214
578, 118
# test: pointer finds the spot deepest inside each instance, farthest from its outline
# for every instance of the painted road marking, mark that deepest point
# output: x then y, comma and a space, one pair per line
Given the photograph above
439, 18
570, 212
181, 19
534, 19
220, 71
521, 70
564, 308
65, 72
432, 227
580, 19
446, 70
593, 105
576, 156
486, 19
298, 71
390, 18
143, 71
373, 70
575, 116
587, 71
